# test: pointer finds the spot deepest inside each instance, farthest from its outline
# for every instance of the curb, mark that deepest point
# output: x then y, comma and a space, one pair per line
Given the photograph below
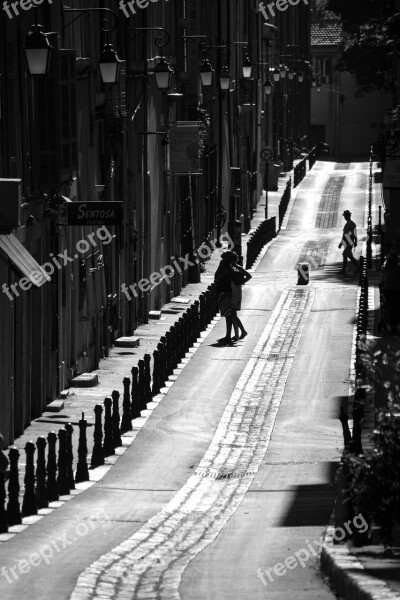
347, 575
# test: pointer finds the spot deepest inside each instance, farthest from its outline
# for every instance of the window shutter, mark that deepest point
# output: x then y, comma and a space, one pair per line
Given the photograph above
57, 122
46, 117
67, 88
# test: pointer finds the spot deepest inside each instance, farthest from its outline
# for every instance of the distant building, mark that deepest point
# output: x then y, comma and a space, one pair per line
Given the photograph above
348, 122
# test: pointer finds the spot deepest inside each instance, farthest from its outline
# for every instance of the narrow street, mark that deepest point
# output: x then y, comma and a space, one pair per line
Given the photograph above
234, 470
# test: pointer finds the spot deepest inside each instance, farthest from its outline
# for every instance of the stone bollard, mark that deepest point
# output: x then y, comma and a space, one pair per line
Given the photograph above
13, 507
186, 333
176, 336
70, 456
29, 505
174, 354
147, 378
97, 452
192, 328
196, 310
52, 487
3, 513
141, 385
135, 408
164, 366
82, 471
183, 336
108, 444
126, 423
202, 301
62, 464
115, 419
3, 468
161, 376
214, 295
156, 388
169, 360
181, 341
41, 489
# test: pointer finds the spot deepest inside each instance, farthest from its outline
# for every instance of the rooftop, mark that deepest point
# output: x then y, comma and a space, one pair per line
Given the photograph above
326, 32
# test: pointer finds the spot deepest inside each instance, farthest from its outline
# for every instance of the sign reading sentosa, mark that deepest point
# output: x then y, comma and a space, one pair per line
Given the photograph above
95, 213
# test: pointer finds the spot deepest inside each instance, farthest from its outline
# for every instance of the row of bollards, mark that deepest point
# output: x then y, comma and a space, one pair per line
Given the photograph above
176, 342
369, 225
45, 483
300, 171
54, 476
284, 203
264, 233
362, 317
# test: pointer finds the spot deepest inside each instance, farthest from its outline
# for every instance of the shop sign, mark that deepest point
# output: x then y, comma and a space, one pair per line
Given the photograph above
185, 148
95, 213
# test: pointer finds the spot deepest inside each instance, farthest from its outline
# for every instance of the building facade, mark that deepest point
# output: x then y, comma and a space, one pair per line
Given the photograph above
346, 120
69, 142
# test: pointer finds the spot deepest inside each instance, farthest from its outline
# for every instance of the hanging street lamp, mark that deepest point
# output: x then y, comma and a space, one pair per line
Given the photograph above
163, 74
225, 79
109, 65
268, 87
37, 50
206, 73
247, 67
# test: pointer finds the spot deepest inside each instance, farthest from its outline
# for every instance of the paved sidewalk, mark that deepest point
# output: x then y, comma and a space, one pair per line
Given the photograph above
118, 365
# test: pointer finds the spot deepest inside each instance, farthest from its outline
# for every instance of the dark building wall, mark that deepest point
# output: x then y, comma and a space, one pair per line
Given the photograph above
66, 136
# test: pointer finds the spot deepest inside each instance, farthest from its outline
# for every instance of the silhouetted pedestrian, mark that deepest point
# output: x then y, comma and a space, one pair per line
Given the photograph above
240, 277
349, 241
223, 277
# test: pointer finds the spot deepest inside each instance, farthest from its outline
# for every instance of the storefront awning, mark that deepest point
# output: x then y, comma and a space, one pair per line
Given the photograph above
23, 260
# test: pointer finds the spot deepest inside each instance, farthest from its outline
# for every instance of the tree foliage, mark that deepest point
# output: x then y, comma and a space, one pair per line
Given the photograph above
370, 37
374, 477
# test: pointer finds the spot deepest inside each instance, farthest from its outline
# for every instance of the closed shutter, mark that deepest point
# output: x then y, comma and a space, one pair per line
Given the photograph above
57, 122
48, 130
67, 90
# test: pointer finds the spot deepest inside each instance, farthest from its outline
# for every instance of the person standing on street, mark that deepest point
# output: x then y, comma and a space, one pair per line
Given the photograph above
223, 278
240, 277
349, 241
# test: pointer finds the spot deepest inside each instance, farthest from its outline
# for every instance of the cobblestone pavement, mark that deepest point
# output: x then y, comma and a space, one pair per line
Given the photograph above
328, 209
150, 563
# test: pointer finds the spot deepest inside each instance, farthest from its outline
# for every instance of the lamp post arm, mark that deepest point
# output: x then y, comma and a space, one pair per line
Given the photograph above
205, 45
106, 25
159, 41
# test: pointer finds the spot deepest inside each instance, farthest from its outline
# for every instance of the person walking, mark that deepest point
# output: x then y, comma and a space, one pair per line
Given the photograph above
223, 278
240, 277
390, 287
349, 241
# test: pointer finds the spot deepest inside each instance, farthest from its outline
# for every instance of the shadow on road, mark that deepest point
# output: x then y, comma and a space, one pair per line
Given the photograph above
312, 504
